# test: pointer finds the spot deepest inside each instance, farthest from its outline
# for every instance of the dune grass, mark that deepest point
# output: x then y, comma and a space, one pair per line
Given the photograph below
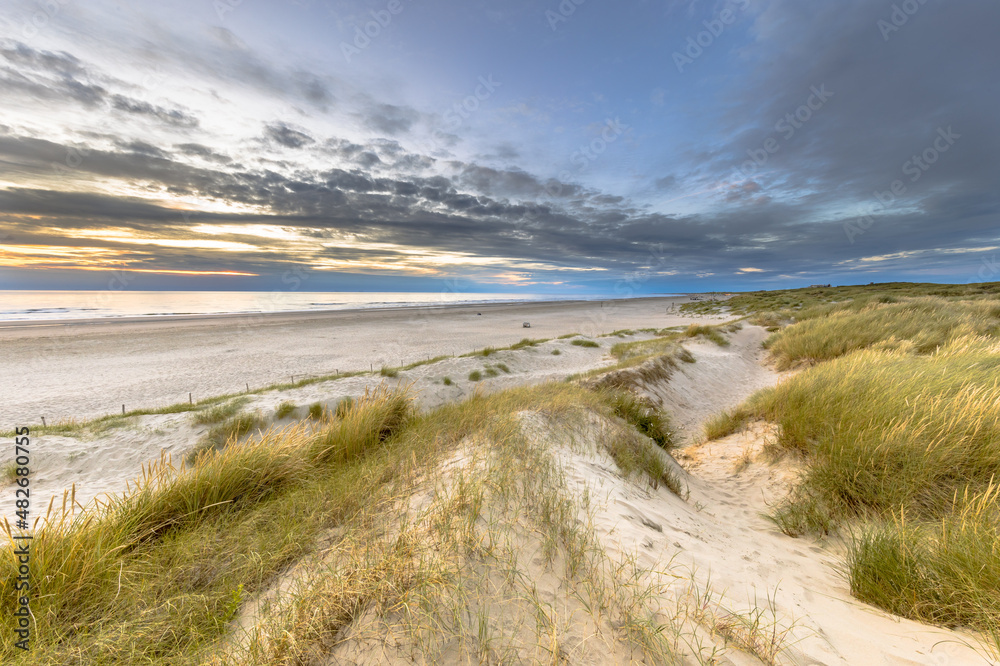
100, 588
316, 411
285, 409
584, 343
726, 423
9, 473
237, 425
946, 572
663, 344
427, 361
896, 414
156, 574
639, 362
343, 407
219, 413
634, 456
434, 585
643, 415
918, 324
524, 343
475, 376
888, 430
712, 333
667, 341
527, 342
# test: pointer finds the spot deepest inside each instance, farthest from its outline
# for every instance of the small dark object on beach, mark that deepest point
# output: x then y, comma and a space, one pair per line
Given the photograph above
525, 325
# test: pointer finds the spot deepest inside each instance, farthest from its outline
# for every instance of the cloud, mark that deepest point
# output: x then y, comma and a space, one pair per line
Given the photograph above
169, 116
390, 118
344, 166
287, 136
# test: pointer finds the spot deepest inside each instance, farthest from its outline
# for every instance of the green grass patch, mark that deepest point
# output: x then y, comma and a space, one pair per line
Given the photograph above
663, 344
726, 423
316, 411
708, 332
233, 428
527, 342
447, 381
524, 343
946, 572
389, 372
556, 352
584, 343
9, 473
475, 376
219, 413
643, 416
427, 361
285, 409
343, 407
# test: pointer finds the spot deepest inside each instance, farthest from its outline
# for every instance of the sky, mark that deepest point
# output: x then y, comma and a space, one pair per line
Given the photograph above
546, 146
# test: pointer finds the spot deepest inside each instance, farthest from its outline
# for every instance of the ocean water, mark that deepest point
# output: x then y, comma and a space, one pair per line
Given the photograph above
62, 305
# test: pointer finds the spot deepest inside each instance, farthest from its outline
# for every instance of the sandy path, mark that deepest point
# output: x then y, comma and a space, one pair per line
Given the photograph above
723, 377
721, 534
82, 370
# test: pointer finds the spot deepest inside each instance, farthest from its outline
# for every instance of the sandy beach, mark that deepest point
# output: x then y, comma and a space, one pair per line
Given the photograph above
85, 369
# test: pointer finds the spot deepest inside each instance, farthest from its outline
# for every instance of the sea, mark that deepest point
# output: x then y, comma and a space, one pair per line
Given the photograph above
63, 305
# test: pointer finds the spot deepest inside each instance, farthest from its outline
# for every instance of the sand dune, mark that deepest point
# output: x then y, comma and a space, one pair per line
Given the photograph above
714, 540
